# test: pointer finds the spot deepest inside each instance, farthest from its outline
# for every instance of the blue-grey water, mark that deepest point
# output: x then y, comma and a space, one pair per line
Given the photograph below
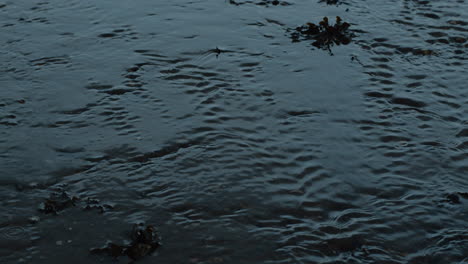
267, 152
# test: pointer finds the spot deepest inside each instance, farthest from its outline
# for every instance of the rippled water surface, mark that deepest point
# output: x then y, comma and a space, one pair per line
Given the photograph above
205, 120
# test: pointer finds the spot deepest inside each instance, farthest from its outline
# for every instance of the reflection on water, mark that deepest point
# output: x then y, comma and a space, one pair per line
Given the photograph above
204, 120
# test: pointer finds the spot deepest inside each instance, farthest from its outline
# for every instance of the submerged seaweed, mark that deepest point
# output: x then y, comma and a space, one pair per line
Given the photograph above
61, 200
92, 203
57, 202
324, 34
144, 241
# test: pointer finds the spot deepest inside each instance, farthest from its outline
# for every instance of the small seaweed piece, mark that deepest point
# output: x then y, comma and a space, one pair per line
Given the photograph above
144, 241
330, 2
111, 249
60, 200
57, 202
453, 198
92, 203
324, 34
260, 3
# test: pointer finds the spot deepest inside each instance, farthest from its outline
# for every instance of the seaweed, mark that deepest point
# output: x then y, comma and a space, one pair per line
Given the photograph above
144, 242
260, 3
61, 200
331, 2
92, 203
57, 202
454, 198
324, 35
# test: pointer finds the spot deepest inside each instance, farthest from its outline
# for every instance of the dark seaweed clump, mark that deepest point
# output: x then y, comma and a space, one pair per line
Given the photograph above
324, 35
92, 203
144, 241
330, 2
454, 198
59, 201
260, 3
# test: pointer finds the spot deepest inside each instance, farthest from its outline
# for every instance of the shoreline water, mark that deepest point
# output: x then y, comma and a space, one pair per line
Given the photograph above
205, 120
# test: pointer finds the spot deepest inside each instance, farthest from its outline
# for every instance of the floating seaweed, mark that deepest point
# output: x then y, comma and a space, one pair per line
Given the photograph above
92, 203
331, 2
57, 202
144, 242
324, 34
260, 3
454, 198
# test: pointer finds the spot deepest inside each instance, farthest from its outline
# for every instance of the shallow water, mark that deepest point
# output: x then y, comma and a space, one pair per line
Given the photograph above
267, 152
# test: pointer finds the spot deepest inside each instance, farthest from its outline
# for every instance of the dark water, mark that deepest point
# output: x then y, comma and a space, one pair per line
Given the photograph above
268, 152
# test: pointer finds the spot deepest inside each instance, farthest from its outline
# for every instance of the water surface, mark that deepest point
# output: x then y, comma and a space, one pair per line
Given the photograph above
267, 152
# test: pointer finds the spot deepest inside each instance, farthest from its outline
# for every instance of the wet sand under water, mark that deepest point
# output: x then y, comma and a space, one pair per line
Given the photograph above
204, 119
